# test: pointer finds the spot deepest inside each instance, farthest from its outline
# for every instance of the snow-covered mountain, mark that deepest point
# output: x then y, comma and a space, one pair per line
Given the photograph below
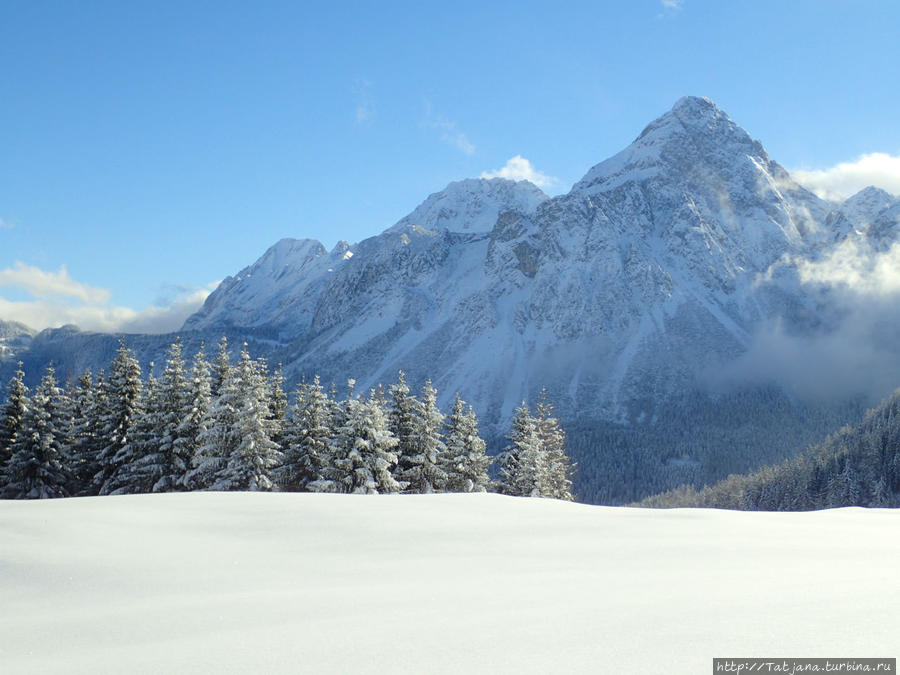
657, 270
625, 290
15, 338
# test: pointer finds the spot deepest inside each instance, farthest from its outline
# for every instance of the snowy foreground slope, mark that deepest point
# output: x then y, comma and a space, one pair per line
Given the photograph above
234, 582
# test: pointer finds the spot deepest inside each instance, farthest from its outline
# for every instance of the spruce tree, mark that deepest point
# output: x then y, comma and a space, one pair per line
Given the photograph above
278, 405
123, 398
401, 421
557, 482
83, 398
91, 439
140, 462
307, 445
217, 438
176, 445
221, 368
464, 460
37, 468
522, 463
364, 450
12, 416
255, 456
193, 426
426, 446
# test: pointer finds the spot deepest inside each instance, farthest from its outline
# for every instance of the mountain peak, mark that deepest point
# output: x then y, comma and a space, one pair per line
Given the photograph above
473, 204
695, 105
693, 132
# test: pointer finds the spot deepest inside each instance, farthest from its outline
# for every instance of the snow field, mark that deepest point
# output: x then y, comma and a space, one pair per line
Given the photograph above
253, 582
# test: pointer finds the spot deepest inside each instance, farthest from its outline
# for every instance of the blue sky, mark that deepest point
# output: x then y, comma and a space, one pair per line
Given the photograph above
151, 148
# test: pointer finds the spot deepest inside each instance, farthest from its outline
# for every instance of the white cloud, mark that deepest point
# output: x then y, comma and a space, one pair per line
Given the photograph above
847, 178
57, 300
43, 284
519, 168
459, 140
851, 348
4, 225
449, 133
672, 4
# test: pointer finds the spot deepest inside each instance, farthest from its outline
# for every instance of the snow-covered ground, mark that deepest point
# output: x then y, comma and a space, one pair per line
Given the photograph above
438, 583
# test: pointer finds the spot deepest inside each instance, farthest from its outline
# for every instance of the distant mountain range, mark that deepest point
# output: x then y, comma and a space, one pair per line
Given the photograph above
642, 285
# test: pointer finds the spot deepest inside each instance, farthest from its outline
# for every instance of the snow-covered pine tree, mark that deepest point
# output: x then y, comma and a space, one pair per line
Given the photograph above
82, 397
37, 468
278, 405
217, 438
307, 448
424, 474
401, 420
89, 439
464, 460
193, 426
175, 404
221, 368
123, 398
522, 463
12, 416
558, 481
252, 463
141, 461
364, 450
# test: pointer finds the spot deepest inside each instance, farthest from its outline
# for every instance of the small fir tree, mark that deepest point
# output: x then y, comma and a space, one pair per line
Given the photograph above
557, 465
424, 474
364, 451
123, 399
464, 460
37, 468
307, 451
12, 418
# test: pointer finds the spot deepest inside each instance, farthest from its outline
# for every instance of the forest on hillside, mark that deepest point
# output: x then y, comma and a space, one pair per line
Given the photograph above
857, 466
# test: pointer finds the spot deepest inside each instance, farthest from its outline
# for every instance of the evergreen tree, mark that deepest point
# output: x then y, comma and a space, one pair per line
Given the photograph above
194, 424
221, 368
89, 439
557, 482
307, 449
217, 438
254, 458
401, 421
176, 445
37, 468
140, 462
464, 460
424, 473
83, 398
522, 463
364, 451
12, 416
123, 398
278, 404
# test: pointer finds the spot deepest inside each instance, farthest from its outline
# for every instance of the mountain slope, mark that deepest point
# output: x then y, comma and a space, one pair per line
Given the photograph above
857, 466
15, 338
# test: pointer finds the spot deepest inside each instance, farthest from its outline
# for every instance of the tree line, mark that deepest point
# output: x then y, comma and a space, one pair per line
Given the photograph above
218, 425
